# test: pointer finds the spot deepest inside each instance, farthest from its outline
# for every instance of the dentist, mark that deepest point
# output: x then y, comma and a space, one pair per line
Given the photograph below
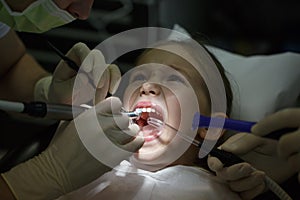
66, 164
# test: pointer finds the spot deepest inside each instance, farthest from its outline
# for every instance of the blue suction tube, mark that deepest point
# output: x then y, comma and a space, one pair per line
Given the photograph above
219, 122
234, 125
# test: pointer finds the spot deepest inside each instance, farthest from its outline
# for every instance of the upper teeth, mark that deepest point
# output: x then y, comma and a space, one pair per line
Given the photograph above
148, 110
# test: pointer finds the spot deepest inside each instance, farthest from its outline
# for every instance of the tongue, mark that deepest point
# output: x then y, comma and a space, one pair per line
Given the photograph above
144, 115
149, 131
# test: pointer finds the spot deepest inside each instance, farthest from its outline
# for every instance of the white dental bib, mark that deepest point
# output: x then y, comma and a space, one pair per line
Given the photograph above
176, 182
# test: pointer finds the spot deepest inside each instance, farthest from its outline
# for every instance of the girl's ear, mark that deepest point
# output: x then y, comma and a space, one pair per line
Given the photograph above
203, 131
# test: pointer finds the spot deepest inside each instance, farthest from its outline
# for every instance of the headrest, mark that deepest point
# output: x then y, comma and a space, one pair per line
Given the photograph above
261, 84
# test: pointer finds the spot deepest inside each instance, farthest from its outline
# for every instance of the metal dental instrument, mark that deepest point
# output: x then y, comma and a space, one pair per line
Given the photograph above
53, 111
71, 63
133, 114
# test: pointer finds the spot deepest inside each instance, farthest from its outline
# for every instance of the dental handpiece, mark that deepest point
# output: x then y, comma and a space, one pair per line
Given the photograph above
42, 109
132, 114
53, 111
232, 124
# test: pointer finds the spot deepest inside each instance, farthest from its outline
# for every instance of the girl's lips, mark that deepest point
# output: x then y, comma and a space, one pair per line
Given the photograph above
149, 109
142, 104
150, 133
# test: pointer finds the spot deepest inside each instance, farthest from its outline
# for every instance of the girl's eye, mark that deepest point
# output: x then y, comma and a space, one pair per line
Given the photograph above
176, 78
138, 77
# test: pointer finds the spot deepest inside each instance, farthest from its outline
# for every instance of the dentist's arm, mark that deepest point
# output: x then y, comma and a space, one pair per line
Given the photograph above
5, 192
19, 71
23, 79
67, 163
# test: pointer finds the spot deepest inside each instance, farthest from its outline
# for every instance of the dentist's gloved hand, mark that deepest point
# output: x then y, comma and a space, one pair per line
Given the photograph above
261, 153
59, 87
67, 164
288, 146
242, 178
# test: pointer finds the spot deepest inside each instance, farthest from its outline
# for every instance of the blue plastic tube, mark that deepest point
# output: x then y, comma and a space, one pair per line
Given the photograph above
234, 125
219, 122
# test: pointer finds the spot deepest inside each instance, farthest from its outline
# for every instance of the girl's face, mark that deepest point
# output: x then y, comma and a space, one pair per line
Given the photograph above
162, 87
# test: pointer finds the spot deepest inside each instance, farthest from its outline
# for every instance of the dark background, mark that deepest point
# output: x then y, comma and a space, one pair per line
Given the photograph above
246, 27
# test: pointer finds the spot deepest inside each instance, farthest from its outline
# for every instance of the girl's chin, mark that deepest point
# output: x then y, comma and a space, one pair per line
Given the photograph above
147, 154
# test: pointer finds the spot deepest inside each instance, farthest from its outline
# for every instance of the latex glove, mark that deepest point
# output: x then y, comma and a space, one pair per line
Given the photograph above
242, 178
261, 153
289, 146
66, 164
59, 87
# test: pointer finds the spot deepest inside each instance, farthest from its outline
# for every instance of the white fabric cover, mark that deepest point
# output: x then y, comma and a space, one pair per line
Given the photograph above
177, 182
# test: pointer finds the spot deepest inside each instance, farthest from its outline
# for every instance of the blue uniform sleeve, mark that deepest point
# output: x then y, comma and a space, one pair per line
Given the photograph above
3, 29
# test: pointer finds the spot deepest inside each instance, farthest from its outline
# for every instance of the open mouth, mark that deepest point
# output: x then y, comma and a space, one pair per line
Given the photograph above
149, 110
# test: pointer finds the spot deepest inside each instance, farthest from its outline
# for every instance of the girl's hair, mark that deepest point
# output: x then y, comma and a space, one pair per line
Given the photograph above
227, 85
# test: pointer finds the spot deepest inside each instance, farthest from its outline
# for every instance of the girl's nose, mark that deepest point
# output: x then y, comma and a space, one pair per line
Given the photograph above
150, 89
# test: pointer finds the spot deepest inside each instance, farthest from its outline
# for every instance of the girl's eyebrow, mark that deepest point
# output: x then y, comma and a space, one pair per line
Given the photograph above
181, 71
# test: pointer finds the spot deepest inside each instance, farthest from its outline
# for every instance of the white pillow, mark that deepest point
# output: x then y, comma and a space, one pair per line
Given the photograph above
262, 84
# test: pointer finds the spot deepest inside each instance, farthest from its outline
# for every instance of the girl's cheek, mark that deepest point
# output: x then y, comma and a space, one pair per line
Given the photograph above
130, 98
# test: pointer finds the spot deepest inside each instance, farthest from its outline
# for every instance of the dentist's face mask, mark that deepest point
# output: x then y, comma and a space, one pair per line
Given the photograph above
40, 16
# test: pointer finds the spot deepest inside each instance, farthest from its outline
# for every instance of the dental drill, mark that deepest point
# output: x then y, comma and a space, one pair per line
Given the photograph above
53, 111
43, 110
